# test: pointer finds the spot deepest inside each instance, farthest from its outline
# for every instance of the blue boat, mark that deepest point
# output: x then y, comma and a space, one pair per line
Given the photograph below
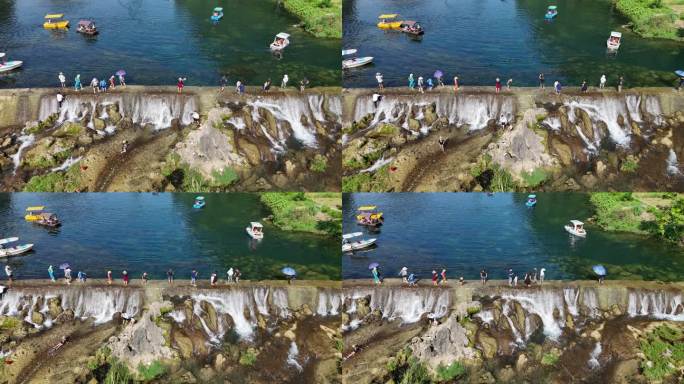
531, 201
217, 14
551, 12
199, 202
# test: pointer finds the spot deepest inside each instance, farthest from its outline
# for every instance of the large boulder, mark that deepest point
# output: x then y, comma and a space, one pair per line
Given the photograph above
444, 344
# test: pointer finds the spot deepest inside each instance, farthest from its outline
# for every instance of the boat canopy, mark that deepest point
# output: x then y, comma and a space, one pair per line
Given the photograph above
85, 23
254, 224
283, 35
2, 55
552, 7
344, 52
8, 240
218, 9
409, 23
351, 235
576, 223
531, 196
616, 34
54, 15
388, 16
367, 208
200, 198
36, 208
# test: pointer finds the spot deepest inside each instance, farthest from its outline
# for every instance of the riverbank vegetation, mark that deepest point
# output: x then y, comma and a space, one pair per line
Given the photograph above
305, 212
663, 353
658, 214
322, 18
654, 18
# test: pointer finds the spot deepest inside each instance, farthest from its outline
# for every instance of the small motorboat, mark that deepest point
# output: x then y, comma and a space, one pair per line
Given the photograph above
388, 21
199, 202
38, 215
531, 201
255, 230
87, 27
55, 21
576, 228
349, 246
412, 28
613, 42
551, 12
15, 250
217, 14
6, 66
280, 42
369, 216
354, 62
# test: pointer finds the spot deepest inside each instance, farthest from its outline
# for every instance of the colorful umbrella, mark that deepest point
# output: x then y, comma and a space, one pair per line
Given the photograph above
121, 72
64, 266
438, 74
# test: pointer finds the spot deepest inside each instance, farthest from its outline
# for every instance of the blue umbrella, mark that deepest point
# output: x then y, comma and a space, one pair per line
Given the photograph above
679, 73
64, 266
373, 265
438, 74
289, 271
599, 270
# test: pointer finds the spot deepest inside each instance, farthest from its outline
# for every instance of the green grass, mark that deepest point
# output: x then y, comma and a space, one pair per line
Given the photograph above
649, 18
68, 181
535, 178
297, 211
224, 178
618, 211
8, 323
118, 373
663, 351
248, 357
322, 18
550, 358
630, 165
450, 373
319, 163
367, 182
153, 371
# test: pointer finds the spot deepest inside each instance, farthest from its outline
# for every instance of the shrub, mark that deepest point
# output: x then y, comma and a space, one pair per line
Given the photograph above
153, 371
452, 372
224, 178
319, 163
248, 357
550, 358
118, 374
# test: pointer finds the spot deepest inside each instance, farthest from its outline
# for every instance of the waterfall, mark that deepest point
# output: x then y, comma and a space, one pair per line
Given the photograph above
99, 304
381, 162
474, 111
656, 304
26, 141
292, 354
328, 303
409, 305
66, 164
544, 304
593, 357
158, 110
672, 164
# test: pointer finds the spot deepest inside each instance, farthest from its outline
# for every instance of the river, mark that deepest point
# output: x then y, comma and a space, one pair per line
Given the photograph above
480, 40
153, 232
465, 232
157, 41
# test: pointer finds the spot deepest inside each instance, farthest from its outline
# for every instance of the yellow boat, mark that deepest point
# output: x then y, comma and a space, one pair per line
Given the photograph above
54, 21
34, 213
368, 215
387, 21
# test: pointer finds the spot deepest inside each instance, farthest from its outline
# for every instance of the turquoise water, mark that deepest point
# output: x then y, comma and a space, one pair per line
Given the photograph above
153, 232
465, 232
480, 40
156, 41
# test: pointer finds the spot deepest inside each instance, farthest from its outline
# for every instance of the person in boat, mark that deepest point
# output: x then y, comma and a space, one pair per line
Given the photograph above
443, 277
411, 82
541, 80
584, 86
267, 85
77, 82
435, 277
60, 99
483, 276
51, 273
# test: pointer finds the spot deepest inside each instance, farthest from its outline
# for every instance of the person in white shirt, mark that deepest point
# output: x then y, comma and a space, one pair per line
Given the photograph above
60, 99
602, 84
284, 82
379, 78
62, 79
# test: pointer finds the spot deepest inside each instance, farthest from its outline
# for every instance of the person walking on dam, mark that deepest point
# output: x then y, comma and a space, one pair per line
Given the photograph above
181, 84
411, 82
125, 278
109, 277
455, 83
542, 273
483, 276
380, 80
51, 272
376, 276
443, 276
541, 80
435, 277
620, 83
498, 85
283, 84
62, 79
602, 82
420, 84
193, 278
404, 274
169, 276
77, 82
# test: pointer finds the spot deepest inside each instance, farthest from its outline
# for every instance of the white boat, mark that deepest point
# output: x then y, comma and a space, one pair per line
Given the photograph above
349, 246
280, 41
6, 66
15, 250
613, 42
576, 228
354, 62
255, 230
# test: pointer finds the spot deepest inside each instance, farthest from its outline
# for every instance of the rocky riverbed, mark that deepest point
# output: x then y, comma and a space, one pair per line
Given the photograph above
144, 139
525, 139
251, 333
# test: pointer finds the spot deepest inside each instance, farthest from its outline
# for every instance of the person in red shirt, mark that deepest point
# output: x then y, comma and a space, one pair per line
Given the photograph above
181, 84
443, 275
435, 276
498, 85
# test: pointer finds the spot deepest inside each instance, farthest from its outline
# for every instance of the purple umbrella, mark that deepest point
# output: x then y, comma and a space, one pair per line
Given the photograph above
120, 72
64, 266
373, 265
438, 74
